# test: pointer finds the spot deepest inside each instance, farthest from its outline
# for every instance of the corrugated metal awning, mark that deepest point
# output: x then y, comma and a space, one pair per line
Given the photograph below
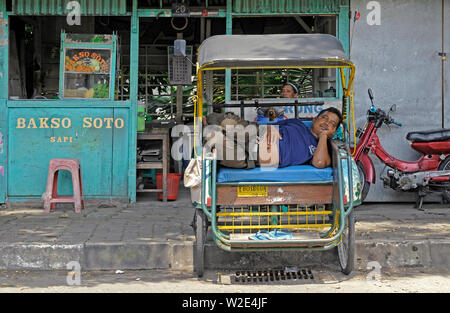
287, 6
59, 7
239, 7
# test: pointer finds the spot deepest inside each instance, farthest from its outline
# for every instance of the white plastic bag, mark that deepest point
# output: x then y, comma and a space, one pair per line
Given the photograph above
193, 173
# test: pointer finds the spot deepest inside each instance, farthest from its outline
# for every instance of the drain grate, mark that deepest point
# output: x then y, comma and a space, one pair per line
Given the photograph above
273, 276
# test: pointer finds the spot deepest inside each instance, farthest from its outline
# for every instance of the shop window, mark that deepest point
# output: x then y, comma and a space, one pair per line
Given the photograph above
87, 70
35, 60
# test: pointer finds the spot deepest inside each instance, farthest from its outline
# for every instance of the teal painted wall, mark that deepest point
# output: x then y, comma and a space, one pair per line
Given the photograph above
107, 155
100, 145
120, 154
3, 97
104, 152
3, 150
134, 73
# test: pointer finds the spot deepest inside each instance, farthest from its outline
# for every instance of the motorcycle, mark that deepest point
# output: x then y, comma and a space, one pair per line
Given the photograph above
429, 174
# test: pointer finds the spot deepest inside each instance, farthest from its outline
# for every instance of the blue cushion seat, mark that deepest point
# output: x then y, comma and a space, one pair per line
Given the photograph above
297, 173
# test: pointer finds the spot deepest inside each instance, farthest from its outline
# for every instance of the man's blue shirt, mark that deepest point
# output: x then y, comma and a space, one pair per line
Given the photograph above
298, 143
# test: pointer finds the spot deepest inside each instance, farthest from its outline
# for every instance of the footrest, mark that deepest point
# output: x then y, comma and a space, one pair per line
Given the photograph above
247, 242
63, 199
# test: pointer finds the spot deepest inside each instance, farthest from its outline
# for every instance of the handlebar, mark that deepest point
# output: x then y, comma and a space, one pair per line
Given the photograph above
378, 115
396, 123
382, 116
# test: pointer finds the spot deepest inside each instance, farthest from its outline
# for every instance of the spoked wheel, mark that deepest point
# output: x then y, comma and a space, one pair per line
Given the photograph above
346, 249
445, 166
365, 185
201, 226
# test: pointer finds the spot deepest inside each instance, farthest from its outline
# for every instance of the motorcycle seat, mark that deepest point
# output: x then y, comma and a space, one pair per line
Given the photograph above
430, 135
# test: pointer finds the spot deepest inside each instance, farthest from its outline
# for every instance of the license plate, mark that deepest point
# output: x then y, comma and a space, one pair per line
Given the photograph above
252, 191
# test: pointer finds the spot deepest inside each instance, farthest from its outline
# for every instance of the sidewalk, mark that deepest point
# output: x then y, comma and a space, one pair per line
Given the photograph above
151, 235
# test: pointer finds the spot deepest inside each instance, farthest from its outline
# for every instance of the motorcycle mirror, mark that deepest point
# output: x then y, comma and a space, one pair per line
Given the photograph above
393, 108
370, 93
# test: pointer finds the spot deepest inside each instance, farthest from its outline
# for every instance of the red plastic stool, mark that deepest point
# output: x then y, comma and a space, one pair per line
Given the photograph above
51, 197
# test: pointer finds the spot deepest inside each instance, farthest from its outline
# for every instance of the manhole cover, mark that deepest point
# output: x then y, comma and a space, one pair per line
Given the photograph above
273, 276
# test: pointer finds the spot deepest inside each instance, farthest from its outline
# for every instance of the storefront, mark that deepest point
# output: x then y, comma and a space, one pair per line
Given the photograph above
87, 115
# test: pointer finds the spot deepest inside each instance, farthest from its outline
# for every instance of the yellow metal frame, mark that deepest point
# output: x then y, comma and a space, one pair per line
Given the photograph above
240, 220
232, 219
347, 90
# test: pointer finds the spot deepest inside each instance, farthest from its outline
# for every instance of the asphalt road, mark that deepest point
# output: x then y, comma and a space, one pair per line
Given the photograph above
399, 280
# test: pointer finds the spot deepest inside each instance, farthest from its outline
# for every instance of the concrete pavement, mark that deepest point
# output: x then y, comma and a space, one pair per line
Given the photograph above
155, 235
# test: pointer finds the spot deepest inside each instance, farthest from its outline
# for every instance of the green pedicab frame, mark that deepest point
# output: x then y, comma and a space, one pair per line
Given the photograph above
272, 52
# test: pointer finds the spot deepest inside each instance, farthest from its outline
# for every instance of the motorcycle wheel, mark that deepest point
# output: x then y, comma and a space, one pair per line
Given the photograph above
365, 185
444, 166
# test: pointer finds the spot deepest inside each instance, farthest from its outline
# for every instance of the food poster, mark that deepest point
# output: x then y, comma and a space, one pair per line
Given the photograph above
87, 73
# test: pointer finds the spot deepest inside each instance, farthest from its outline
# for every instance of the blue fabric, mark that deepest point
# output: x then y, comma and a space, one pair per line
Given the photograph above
298, 143
261, 119
297, 173
339, 134
307, 124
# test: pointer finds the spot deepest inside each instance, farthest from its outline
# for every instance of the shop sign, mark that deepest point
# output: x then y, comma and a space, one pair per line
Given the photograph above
86, 62
66, 123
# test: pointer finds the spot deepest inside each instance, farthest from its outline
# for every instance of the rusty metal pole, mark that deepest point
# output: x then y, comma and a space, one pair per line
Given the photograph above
443, 59
179, 102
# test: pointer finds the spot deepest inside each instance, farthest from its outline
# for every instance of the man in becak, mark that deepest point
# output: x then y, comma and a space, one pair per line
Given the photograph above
289, 90
291, 142
284, 143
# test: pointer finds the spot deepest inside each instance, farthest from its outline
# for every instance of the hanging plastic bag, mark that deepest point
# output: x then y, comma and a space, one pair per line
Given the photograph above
193, 179
193, 173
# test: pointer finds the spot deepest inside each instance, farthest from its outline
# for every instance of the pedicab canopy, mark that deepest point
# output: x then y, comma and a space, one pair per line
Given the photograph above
272, 51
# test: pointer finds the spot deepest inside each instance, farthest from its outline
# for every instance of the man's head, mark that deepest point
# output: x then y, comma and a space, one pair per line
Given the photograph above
289, 90
327, 121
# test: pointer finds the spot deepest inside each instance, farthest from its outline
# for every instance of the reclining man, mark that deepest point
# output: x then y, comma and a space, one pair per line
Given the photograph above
285, 143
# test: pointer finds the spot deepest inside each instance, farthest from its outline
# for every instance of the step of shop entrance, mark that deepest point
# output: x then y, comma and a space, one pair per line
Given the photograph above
156, 235
179, 256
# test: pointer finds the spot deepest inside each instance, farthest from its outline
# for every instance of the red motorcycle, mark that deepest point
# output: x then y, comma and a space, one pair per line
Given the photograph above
429, 174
